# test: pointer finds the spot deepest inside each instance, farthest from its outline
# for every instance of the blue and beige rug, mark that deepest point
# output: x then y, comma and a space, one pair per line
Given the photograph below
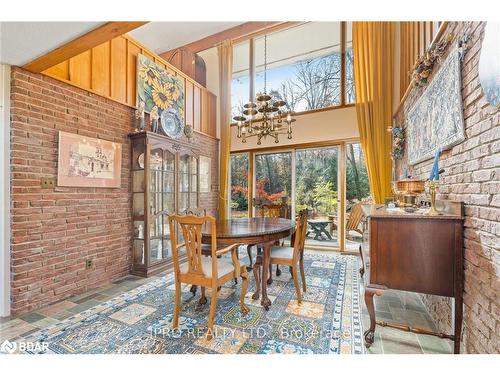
328, 321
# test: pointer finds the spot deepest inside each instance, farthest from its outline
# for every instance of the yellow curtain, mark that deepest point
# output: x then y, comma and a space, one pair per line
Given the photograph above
225, 52
373, 48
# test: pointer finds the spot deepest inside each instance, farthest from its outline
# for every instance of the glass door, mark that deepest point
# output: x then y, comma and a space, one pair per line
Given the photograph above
316, 188
273, 180
162, 199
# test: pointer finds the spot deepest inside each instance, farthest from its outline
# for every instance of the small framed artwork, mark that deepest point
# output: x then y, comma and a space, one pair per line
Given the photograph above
88, 162
205, 176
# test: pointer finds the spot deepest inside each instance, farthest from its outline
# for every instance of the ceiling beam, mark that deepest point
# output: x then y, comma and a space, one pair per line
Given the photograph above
236, 32
81, 44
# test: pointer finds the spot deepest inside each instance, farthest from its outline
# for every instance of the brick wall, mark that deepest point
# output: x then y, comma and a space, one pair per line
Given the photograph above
55, 230
472, 175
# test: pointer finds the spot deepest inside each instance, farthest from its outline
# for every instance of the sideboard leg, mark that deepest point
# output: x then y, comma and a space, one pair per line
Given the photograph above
370, 333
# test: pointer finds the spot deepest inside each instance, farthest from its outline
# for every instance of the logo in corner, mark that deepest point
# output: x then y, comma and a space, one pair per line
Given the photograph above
8, 347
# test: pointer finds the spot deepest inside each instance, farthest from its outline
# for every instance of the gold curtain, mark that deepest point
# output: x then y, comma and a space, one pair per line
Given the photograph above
373, 48
225, 52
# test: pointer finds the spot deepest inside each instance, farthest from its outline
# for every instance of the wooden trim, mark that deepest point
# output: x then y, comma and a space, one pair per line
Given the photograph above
298, 146
161, 60
268, 30
341, 184
81, 44
251, 168
233, 33
5, 191
438, 36
342, 63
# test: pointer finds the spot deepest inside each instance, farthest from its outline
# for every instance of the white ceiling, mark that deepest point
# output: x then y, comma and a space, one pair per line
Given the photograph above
164, 36
22, 42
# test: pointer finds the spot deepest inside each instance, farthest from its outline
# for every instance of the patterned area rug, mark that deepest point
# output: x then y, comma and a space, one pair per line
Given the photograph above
328, 321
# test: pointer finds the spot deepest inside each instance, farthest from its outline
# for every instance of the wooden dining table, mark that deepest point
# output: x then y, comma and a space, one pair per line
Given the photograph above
253, 231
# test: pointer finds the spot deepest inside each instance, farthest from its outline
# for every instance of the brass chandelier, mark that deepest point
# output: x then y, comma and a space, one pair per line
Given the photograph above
266, 116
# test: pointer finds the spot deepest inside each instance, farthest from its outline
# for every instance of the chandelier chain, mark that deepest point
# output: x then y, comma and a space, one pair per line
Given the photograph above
265, 64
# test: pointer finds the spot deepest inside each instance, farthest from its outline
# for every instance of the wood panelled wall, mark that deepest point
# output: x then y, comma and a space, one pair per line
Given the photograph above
110, 70
415, 38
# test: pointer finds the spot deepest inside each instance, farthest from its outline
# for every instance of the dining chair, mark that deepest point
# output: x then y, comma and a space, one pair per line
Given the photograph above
204, 271
269, 210
293, 257
196, 211
206, 250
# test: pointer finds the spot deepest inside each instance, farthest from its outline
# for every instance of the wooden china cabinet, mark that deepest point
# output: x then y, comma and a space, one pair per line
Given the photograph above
165, 180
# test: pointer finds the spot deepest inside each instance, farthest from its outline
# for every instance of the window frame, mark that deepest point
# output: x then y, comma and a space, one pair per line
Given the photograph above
343, 81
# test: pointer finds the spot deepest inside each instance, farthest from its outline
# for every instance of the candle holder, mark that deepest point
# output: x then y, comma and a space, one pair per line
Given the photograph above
433, 187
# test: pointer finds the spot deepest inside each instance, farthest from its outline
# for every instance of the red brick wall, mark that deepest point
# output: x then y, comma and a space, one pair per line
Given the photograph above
55, 230
472, 175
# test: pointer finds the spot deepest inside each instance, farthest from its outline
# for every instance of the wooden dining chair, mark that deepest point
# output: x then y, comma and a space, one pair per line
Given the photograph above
206, 250
269, 210
209, 272
195, 211
293, 256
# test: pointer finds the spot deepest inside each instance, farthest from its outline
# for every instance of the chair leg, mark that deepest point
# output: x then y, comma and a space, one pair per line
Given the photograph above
193, 289
244, 284
249, 252
270, 280
203, 298
211, 316
177, 306
302, 274
278, 271
296, 283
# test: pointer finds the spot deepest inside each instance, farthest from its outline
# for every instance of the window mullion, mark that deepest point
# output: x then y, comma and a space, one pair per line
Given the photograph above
251, 69
342, 63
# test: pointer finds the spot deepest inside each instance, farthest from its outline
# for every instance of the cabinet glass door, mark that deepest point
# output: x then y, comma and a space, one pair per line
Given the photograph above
138, 189
162, 202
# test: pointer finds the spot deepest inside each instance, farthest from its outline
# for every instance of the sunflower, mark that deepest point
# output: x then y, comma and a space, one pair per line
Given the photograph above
149, 74
162, 95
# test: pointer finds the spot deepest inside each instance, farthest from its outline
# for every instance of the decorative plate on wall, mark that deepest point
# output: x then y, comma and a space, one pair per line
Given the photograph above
171, 123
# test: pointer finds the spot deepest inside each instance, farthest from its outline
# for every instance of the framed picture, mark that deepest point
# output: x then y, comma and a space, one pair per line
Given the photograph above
158, 90
88, 162
205, 177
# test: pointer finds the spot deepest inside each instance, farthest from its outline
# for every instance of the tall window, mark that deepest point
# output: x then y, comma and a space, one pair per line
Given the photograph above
239, 185
305, 65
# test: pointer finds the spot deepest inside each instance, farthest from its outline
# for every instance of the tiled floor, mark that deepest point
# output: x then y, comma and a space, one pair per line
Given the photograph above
393, 306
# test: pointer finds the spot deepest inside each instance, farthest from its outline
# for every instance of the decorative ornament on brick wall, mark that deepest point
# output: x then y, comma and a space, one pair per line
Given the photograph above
398, 142
425, 64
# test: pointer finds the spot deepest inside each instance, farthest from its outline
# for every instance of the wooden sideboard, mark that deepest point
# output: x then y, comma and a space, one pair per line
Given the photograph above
413, 252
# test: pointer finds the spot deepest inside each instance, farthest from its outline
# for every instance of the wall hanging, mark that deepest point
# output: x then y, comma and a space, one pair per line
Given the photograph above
88, 162
161, 93
436, 118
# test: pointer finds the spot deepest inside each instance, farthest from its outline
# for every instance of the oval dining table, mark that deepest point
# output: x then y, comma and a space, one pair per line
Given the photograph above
253, 231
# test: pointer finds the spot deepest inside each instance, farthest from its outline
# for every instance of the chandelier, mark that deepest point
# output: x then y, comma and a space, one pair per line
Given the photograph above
265, 116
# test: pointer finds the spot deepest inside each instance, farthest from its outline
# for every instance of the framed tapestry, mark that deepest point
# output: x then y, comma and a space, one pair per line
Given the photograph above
158, 90
88, 162
436, 118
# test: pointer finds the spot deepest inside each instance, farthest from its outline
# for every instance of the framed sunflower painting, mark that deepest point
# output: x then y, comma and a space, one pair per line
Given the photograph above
159, 90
